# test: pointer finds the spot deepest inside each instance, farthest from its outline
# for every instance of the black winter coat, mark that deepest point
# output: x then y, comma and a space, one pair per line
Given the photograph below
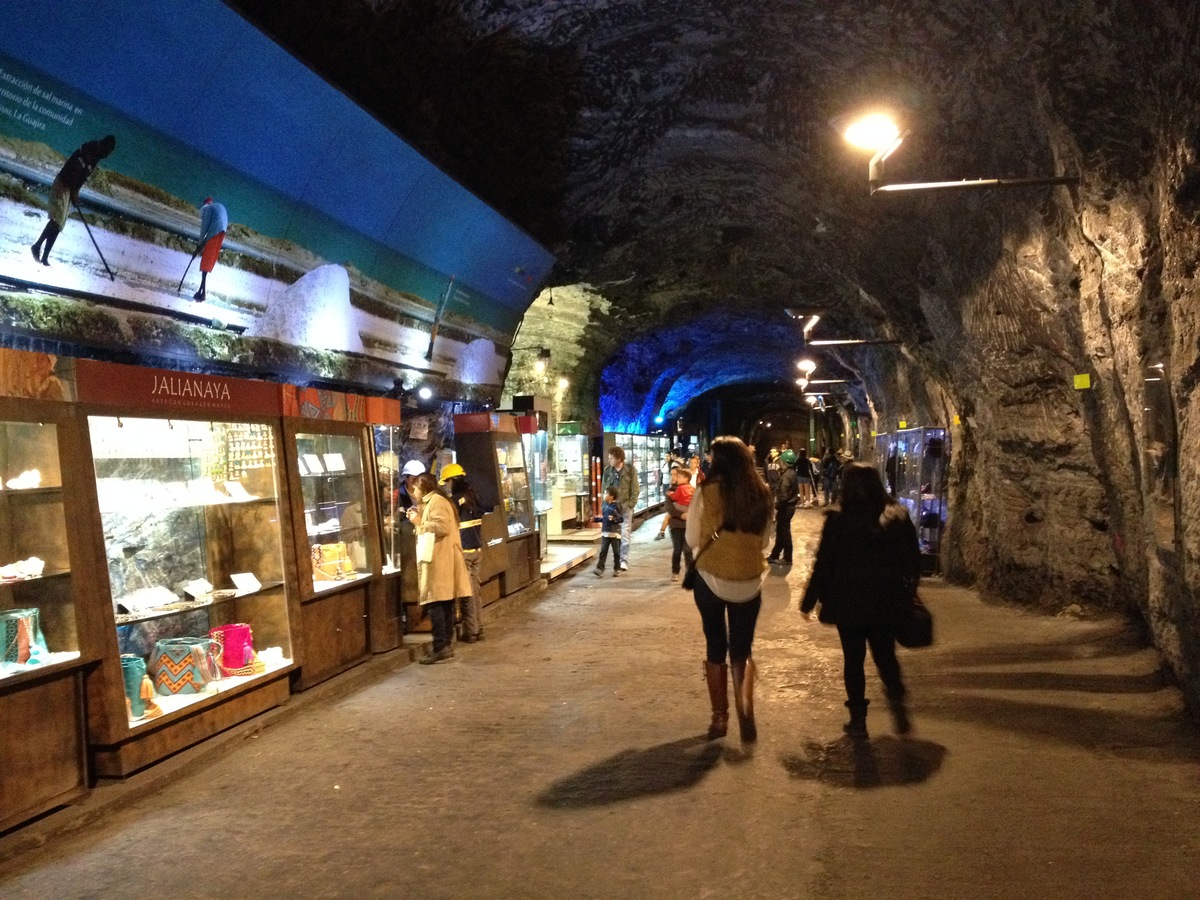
864, 574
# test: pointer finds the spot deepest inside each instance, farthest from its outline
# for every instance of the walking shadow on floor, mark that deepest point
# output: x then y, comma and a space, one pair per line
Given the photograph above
635, 773
867, 764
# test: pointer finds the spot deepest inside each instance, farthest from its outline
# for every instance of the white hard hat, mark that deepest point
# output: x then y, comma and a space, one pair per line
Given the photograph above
413, 467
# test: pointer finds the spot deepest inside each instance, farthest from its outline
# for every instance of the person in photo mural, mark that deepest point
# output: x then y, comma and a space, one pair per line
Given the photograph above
214, 221
622, 477
470, 530
65, 191
867, 567
734, 504
444, 580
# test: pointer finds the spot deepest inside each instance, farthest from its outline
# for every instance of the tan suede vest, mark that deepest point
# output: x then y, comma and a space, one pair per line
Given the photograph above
736, 555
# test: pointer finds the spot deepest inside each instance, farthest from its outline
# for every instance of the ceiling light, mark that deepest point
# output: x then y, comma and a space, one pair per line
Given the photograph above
806, 365
874, 132
425, 393
811, 399
878, 133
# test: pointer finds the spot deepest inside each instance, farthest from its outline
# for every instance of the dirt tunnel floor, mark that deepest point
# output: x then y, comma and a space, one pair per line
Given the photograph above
564, 757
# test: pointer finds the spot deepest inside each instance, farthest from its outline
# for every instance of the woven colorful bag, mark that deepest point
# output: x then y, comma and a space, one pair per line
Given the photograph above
235, 650
184, 665
139, 692
21, 636
332, 561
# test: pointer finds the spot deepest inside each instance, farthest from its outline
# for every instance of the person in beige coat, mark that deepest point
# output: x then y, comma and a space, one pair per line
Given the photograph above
443, 579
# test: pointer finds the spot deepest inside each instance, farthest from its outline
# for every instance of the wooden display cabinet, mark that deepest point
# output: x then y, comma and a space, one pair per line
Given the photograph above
329, 511
489, 448
347, 605
43, 742
184, 520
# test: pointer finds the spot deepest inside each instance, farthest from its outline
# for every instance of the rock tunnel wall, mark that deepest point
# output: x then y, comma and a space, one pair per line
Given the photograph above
683, 164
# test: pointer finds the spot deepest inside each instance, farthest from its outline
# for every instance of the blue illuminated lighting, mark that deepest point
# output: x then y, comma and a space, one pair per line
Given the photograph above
660, 373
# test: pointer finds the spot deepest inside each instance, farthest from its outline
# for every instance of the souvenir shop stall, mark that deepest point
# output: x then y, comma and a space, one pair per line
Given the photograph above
221, 552
489, 446
46, 649
348, 586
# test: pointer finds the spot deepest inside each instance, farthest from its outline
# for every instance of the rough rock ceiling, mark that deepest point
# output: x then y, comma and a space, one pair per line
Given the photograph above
678, 154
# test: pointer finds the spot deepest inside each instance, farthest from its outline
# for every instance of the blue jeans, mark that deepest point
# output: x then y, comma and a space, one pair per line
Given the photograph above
738, 638
854, 655
679, 548
626, 536
605, 543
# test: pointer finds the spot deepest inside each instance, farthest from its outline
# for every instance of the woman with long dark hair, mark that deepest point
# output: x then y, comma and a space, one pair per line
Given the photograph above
729, 529
442, 579
868, 564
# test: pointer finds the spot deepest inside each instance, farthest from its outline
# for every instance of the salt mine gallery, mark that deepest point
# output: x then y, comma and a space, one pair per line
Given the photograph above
238, 298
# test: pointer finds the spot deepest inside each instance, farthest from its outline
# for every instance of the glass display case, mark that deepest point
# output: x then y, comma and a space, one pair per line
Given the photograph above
658, 445
44, 642
536, 447
885, 460
515, 498
334, 494
391, 514
37, 608
489, 449
647, 454
921, 456
191, 522
571, 462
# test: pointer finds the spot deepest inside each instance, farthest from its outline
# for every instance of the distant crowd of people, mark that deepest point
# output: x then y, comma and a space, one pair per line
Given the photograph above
722, 514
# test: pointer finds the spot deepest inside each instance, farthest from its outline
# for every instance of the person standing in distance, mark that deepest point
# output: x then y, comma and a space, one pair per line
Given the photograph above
65, 191
622, 478
728, 529
470, 529
787, 495
443, 580
214, 220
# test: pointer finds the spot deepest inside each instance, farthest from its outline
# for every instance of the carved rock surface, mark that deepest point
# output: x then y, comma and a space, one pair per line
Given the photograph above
678, 157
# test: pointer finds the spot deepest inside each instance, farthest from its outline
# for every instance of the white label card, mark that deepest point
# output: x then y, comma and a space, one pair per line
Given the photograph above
245, 582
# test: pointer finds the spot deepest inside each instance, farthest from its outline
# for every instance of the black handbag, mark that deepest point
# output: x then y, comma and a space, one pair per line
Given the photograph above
689, 577
914, 625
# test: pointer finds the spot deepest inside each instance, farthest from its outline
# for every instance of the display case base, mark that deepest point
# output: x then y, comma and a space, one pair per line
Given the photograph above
146, 748
42, 746
335, 628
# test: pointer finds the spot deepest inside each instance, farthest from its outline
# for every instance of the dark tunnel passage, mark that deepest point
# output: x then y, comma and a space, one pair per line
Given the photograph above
680, 160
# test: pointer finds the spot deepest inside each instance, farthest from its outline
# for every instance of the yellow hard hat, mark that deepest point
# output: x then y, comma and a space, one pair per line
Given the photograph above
451, 471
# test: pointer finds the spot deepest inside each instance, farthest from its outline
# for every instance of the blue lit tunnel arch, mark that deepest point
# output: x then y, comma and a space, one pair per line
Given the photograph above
660, 373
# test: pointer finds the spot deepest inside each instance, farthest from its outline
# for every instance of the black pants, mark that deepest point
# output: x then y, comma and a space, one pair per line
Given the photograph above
738, 639
441, 620
854, 656
679, 548
783, 533
605, 543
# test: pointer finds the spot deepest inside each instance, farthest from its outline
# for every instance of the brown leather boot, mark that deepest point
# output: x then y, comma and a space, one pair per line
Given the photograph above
717, 676
743, 698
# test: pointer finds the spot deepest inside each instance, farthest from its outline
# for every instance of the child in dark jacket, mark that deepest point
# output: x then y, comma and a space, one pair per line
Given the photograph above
611, 517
